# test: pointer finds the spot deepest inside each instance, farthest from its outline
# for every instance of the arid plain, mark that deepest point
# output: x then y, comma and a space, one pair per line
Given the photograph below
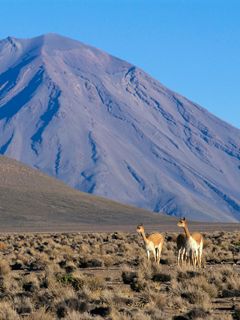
69, 255
107, 276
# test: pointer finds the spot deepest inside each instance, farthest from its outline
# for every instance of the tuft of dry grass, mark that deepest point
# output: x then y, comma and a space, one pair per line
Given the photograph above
41, 314
4, 268
7, 312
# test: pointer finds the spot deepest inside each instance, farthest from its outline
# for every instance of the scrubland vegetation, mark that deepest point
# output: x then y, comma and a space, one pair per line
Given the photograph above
107, 276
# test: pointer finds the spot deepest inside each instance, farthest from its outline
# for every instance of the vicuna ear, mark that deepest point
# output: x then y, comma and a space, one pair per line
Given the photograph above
184, 218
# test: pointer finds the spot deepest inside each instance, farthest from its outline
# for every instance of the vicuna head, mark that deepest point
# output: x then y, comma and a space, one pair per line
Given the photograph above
182, 223
140, 228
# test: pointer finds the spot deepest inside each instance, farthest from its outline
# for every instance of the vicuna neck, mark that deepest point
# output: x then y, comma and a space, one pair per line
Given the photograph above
144, 237
187, 233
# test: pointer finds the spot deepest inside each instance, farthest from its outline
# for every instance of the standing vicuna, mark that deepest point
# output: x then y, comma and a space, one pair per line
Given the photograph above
193, 245
153, 243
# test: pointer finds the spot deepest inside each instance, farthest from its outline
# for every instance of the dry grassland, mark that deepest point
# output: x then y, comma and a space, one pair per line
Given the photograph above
107, 276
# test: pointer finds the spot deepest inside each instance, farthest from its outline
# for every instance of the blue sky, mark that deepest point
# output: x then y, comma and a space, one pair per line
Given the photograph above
191, 46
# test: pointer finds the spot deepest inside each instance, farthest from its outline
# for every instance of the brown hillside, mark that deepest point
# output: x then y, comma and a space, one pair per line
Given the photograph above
33, 201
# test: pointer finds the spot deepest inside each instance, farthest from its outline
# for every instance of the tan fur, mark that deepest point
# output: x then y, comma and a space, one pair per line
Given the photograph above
153, 243
197, 237
156, 238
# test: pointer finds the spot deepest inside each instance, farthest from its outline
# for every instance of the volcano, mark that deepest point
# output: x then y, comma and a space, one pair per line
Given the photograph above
105, 127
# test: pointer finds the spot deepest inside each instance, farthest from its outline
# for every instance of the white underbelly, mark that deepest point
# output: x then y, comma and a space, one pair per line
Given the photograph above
192, 246
150, 247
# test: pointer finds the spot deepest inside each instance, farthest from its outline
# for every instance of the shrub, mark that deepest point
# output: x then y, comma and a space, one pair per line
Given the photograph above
197, 313
101, 311
128, 276
161, 277
69, 279
4, 268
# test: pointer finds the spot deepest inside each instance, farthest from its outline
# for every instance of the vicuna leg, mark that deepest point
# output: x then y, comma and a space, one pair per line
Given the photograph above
195, 258
192, 258
159, 254
155, 254
183, 256
178, 257
188, 257
148, 255
200, 257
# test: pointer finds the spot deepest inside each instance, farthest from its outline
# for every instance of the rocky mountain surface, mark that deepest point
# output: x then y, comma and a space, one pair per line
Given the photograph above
105, 127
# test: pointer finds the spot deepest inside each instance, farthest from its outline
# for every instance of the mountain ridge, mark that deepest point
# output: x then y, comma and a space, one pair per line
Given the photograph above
106, 127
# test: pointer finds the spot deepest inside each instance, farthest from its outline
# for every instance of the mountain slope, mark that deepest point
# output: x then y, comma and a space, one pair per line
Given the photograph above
31, 200
106, 127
